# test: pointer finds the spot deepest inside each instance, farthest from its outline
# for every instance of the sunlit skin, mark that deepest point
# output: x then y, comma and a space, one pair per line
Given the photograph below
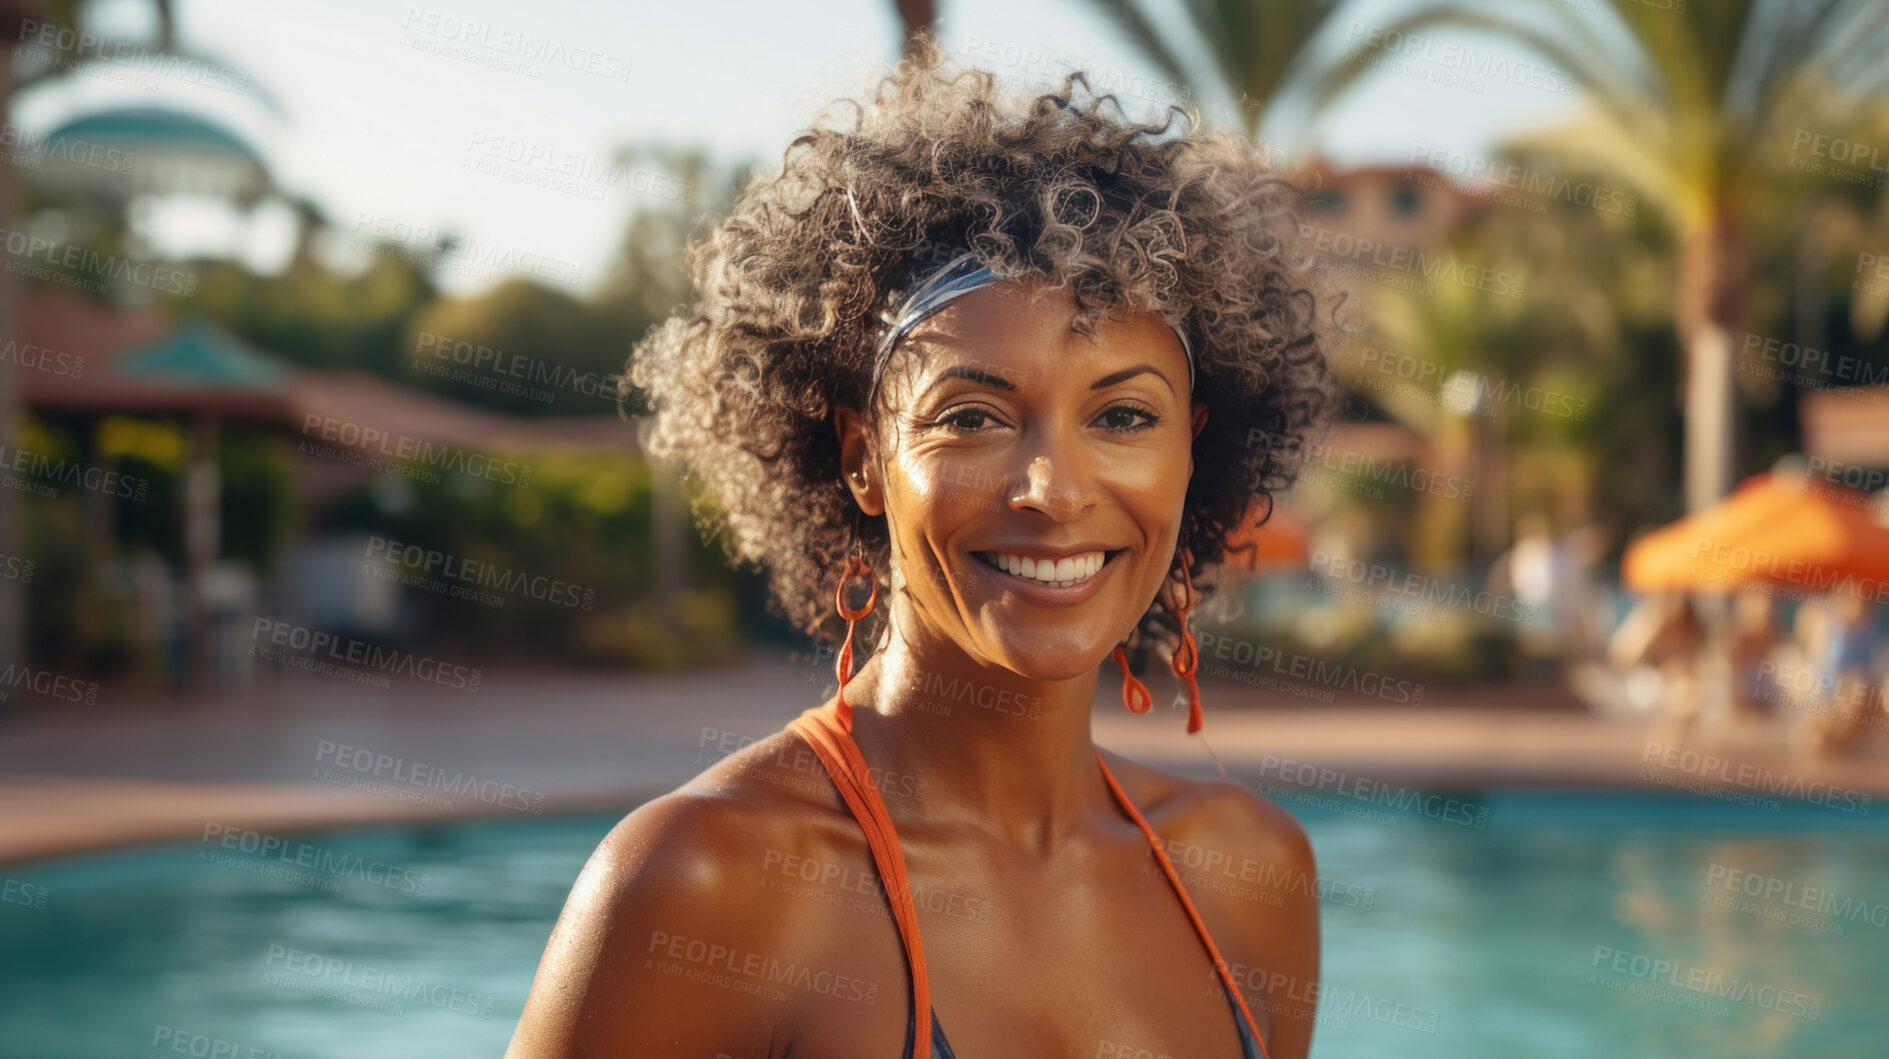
1048, 929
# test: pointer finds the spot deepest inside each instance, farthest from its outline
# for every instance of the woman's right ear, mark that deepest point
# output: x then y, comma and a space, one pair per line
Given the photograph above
856, 462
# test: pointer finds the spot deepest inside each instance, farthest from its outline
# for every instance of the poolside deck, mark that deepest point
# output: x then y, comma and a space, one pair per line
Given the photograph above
136, 769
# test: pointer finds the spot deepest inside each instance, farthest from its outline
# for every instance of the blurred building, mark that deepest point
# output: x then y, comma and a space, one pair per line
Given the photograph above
1848, 429
1414, 207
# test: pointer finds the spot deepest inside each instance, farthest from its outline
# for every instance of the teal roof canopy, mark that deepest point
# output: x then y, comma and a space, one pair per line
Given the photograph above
155, 129
199, 353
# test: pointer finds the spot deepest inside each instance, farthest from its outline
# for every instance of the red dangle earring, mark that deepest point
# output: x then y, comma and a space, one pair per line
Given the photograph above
1187, 653
856, 566
1135, 694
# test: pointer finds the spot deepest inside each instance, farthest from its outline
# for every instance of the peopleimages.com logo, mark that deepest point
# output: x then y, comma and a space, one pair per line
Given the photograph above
329, 653
374, 770
1715, 769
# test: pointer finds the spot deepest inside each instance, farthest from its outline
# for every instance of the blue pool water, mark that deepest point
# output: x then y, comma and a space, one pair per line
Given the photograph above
1577, 925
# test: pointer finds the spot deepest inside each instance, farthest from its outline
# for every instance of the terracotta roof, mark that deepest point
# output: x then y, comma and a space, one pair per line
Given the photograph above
99, 339
368, 400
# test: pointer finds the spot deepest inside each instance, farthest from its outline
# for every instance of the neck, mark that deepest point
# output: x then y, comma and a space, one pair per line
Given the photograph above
991, 751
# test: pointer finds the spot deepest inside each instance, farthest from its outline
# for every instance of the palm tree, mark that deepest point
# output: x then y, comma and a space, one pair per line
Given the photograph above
1682, 103
914, 16
1256, 47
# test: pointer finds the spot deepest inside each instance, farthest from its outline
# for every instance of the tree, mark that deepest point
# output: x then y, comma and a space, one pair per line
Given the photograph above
1257, 48
915, 16
1681, 102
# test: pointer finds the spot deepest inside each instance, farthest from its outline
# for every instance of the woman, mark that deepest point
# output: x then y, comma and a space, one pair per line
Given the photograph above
951, 377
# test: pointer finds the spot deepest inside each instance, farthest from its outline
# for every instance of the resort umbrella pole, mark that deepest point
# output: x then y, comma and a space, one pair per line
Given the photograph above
202, 533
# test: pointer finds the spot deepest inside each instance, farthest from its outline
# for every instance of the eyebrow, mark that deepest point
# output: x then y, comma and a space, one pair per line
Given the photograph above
977, 375
998, 382
1128, 373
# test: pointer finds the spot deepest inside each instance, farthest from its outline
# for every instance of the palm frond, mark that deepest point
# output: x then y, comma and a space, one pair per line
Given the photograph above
1128, 17
1600, 78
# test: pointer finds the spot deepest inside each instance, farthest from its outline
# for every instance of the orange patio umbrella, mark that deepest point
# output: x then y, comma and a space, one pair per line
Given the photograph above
1775, 529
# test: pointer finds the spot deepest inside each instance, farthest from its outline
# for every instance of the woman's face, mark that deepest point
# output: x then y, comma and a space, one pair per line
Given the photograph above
1032, 477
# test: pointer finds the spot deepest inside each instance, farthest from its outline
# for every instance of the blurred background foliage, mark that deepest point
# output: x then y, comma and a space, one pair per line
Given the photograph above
1730, 237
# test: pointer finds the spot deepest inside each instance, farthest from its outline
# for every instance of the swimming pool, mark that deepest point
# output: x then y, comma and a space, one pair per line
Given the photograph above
1566, 924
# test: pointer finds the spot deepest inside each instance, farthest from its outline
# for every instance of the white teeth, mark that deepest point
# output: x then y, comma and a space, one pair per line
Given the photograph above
1060, 572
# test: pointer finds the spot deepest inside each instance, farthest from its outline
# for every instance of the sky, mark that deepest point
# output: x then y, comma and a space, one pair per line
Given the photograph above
406, 118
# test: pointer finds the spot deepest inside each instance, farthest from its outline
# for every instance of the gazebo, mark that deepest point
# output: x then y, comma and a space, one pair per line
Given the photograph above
137, 364
166, 151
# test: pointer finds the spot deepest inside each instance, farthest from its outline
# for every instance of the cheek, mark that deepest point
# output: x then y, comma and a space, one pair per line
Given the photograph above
1153, 486
927, 505
941, 491
1154, 502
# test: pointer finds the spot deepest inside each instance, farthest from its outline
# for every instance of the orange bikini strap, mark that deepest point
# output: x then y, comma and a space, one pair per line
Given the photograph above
843, 761
1154, 841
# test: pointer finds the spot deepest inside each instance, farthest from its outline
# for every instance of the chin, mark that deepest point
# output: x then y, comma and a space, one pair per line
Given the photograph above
1048, 657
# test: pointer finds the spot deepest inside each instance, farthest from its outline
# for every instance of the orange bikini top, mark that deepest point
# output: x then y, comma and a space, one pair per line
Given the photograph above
820, 726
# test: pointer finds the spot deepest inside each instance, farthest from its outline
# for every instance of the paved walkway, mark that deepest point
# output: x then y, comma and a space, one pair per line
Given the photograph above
302, 752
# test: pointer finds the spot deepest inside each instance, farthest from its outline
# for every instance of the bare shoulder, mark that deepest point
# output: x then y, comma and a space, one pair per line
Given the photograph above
1249, 867
1225, 814
1242, 815
638, 961
696, 841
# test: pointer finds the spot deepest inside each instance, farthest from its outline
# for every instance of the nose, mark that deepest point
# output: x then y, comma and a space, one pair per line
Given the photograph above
1051, 487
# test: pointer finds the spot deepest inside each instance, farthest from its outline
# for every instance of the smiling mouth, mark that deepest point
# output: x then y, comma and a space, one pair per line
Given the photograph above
1060, 573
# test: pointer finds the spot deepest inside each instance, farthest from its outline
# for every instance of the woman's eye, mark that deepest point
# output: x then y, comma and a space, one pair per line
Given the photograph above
1120, 419
966, 420
1127, 417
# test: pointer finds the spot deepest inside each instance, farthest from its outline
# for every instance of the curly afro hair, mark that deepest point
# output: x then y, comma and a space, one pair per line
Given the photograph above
1197, 227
